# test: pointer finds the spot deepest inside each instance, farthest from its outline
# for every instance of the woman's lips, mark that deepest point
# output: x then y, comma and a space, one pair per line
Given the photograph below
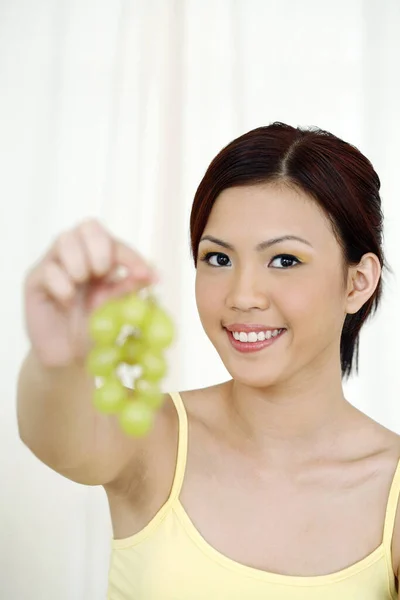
252, 346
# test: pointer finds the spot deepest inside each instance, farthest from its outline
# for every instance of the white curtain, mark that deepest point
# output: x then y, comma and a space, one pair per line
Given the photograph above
114, 109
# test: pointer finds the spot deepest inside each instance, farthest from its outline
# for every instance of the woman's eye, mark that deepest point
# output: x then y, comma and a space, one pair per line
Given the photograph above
219, 259
216, 259
286, 261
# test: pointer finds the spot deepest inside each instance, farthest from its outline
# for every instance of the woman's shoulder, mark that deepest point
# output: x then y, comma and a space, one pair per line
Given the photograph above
386, 444
205, 406
378, 439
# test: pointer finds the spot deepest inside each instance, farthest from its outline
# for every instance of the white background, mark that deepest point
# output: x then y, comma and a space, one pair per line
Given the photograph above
114, 109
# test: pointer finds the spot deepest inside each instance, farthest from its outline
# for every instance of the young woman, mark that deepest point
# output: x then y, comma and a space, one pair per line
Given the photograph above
271, 484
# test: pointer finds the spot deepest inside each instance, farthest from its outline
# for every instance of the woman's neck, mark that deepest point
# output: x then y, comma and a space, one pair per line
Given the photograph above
290, 419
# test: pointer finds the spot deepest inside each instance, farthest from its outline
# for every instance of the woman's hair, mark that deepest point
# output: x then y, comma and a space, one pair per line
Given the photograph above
334, 173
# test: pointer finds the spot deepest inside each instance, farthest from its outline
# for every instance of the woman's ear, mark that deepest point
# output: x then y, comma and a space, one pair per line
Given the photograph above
362, 282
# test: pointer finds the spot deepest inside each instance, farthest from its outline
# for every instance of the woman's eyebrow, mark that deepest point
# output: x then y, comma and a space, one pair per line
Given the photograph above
261, 246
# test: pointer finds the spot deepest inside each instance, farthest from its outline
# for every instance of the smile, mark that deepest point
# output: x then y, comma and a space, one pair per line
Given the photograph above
241, 344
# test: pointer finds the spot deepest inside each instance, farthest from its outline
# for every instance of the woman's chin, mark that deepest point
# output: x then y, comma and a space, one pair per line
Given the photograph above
253, 377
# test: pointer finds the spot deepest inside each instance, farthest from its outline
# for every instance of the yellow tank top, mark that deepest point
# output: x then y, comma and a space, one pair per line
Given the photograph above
170, 560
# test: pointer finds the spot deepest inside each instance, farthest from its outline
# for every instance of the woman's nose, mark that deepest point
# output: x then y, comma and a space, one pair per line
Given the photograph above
248, 292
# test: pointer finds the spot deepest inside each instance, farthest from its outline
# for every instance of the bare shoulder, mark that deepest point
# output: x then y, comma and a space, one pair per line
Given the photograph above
204, 404
382, 439
393, 440
150, 462
144, 484
385, 452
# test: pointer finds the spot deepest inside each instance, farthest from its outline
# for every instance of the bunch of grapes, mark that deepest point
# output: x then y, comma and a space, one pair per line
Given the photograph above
133, 330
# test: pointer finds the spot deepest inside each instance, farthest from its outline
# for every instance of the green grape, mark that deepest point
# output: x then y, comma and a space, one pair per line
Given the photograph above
158, 331
134, 310
136, 418
132, 350
154, 366
105, 323
149, 393
111, 397
103, 360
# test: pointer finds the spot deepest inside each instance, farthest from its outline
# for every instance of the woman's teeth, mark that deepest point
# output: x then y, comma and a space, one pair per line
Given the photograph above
253, 336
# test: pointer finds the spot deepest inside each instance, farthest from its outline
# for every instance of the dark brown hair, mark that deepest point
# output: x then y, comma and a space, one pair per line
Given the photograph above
333, 172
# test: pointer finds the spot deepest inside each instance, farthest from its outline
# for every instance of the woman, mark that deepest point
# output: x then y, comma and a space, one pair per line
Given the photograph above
271, 484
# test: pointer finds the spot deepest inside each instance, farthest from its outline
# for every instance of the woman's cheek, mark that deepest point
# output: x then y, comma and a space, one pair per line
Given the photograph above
299, 305
207, 297
312, 314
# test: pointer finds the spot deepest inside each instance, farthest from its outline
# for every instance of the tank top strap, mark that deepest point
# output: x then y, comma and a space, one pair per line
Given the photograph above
391, 510
181, 456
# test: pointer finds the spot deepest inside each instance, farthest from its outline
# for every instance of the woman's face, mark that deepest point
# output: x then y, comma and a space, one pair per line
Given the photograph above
240, 284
